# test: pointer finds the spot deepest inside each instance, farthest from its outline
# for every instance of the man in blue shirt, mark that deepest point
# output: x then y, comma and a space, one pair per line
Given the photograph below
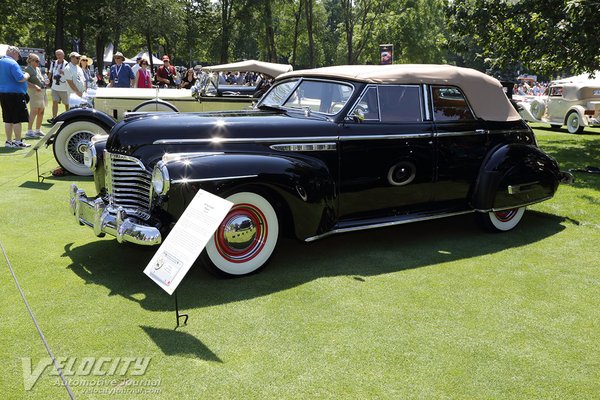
121, 75
13, 88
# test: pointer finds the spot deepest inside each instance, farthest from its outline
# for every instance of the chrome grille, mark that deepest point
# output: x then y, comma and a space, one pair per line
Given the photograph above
127, 183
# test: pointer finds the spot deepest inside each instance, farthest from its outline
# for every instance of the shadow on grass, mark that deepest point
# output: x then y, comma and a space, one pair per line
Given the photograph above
36, 185
174, 343
357, 255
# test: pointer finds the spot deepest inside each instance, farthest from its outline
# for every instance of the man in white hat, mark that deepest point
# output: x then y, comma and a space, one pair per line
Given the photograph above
59, 86
121, 74
74, 76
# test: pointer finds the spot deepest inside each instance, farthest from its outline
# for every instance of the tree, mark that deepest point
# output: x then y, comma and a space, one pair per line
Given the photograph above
543, 36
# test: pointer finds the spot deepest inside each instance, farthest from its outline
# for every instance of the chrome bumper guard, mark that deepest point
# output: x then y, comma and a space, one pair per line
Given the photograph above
566, 178
93, 212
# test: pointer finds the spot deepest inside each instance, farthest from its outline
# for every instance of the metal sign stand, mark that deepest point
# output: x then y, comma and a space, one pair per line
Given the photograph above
39, 144
37, 167
179, 316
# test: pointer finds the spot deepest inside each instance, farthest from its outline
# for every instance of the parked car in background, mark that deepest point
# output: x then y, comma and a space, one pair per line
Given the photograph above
325, 151
111, 104
574, 104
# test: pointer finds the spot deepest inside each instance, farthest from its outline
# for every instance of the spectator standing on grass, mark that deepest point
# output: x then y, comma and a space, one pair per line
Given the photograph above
38, 100
135, 69
59, 85
85, 63
188, 80
13, 88
74, 76
166, 73
121, 74
143, 76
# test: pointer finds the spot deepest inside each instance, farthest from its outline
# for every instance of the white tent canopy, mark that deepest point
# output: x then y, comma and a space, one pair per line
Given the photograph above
109, 56
155, 61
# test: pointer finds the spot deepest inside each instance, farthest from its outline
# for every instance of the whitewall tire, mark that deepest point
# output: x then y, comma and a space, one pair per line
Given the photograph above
246, 238
501, 221
72, 141
574, 123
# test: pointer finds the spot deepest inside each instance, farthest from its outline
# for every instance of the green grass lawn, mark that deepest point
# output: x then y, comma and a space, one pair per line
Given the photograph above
431, 310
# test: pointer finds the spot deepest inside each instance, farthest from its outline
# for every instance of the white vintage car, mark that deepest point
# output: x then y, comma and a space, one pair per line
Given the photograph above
75, 128
574, 104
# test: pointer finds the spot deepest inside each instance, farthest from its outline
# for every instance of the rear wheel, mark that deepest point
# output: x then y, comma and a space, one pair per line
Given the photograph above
500, 221
72, 141
574, 123
246, 238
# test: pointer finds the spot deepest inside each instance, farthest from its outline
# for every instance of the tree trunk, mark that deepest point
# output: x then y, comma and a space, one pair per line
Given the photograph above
226, 6
309, 29
59, 36
348, 27
297, 16
270, 32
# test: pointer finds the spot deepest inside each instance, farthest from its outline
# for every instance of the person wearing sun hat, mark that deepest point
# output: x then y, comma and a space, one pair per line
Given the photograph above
121, 74
85, 63
74, 76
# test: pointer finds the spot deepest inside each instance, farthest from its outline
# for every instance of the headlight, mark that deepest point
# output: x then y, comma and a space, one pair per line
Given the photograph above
160, 178
90, 159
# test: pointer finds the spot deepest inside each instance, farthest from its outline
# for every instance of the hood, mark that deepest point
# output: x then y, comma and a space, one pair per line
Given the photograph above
142, 130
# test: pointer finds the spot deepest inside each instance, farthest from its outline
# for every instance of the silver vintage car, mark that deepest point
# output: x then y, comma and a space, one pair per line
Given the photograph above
575, 105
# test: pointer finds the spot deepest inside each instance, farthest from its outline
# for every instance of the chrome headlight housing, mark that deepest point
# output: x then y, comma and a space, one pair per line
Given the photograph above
90, 158
160, 178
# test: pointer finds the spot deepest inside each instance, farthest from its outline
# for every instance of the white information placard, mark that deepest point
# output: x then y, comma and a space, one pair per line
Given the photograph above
186, 240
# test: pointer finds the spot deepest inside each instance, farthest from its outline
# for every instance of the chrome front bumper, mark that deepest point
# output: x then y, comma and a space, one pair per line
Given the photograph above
94, 213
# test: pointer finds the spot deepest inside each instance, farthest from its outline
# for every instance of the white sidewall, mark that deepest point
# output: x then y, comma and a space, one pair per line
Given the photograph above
66, 135
506, 225
270, 242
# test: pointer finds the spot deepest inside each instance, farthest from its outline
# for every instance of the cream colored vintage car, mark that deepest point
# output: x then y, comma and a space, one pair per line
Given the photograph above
75, 128
575, 104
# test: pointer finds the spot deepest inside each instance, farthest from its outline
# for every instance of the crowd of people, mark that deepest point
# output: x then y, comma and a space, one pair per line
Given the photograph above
530, 88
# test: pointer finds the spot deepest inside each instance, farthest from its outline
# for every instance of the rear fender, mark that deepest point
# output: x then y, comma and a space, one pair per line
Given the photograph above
580, 110
304, 185
515, 175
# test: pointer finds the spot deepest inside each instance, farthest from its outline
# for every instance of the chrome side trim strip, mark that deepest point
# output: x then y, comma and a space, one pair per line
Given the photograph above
385, 224
212, 179
217, 140
462, 133
383, 137
305, 147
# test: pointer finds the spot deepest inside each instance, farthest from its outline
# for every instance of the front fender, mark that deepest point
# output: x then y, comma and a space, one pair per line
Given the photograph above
515, 175
87, 114
302, 185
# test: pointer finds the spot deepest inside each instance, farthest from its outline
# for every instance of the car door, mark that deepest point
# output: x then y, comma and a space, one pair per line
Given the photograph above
386, 154
557, 106
460, 145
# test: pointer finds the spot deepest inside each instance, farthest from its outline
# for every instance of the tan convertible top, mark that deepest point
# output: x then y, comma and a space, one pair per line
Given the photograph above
484, 93
270, 69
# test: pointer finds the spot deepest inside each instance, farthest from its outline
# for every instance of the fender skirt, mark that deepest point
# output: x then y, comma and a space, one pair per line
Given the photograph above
515, 175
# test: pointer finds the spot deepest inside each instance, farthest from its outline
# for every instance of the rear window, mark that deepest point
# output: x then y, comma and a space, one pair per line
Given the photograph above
449, 104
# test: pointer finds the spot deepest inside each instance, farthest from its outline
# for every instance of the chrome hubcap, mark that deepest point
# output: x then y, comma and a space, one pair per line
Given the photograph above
507, 215
242, 234
77, 145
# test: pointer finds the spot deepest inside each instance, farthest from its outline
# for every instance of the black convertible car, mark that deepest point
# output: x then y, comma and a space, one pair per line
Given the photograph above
325, 151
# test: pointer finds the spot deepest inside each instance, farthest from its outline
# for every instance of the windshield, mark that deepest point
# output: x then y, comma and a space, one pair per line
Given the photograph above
325, 97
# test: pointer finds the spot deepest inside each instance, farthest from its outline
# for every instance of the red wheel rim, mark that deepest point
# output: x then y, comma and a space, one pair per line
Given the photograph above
506, 215
242, 234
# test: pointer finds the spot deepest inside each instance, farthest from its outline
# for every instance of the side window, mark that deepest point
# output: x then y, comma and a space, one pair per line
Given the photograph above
556, 91
449, 104
368, 105
400, 103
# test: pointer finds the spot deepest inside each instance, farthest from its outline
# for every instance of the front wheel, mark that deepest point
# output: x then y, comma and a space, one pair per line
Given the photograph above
500, 221
574, 123
72, 141
246, 238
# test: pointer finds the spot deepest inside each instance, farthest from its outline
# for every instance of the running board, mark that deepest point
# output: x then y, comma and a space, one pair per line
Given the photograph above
386, 224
